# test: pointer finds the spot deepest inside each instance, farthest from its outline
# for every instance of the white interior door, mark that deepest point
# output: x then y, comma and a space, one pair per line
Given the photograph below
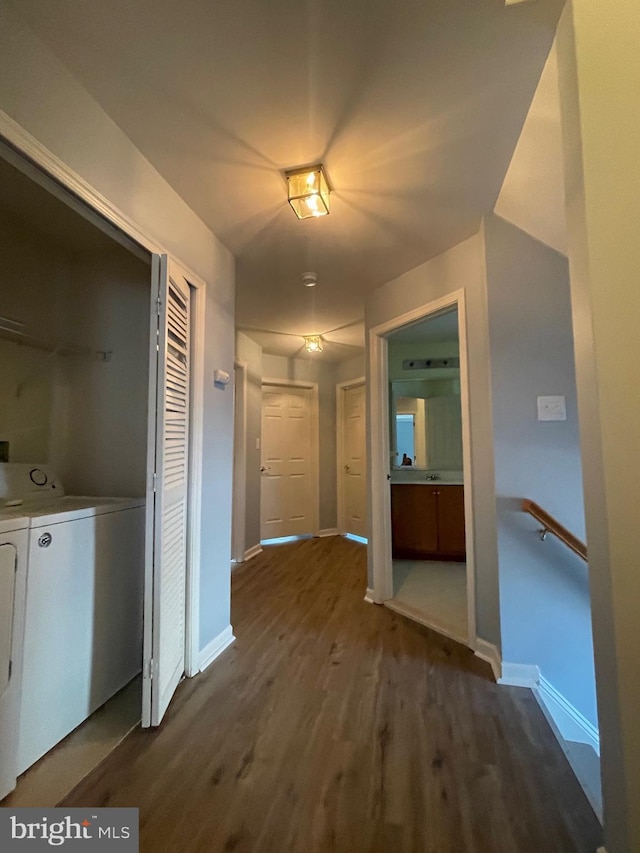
353, 463
166, 546
287, 484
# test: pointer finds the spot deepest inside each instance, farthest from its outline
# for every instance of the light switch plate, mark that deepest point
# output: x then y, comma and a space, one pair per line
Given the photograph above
552, 409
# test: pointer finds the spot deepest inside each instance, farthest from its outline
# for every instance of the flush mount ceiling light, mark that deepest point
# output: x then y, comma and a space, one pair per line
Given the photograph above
313, 343
309, 279
308, 192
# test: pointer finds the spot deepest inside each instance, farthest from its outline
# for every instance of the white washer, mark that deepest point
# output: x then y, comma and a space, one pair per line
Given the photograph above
84, 599
13, 571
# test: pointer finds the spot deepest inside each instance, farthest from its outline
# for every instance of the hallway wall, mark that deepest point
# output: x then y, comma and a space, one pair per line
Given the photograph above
544, 588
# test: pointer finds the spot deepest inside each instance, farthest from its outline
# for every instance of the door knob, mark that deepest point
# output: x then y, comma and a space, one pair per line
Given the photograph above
347, 467
265, 468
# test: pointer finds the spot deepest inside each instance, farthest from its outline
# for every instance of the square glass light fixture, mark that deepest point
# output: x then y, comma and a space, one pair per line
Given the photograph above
313, 343
308, 192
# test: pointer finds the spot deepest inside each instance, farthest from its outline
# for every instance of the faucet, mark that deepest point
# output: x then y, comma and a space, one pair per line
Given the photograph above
433, 476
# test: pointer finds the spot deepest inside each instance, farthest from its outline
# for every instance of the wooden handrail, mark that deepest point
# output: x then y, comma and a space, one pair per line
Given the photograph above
550, 525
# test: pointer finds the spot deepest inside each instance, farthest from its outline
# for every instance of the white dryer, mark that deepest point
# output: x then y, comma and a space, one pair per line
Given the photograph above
13, 570
84, 603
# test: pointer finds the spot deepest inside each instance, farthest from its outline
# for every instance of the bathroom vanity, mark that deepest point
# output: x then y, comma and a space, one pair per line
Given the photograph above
427, 520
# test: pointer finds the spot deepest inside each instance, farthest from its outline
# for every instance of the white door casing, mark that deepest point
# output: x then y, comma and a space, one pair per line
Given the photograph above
379, 554
289, 482
352, 462
238, 525
166, 539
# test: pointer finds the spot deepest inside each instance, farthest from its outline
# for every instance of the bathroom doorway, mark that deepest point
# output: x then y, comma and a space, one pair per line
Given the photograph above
422, 508
427, 479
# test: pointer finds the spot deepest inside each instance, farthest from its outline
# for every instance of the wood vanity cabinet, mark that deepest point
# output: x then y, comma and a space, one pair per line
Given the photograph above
427, 521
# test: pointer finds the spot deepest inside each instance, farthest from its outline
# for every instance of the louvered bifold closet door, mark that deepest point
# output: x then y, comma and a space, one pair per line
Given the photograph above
166, 667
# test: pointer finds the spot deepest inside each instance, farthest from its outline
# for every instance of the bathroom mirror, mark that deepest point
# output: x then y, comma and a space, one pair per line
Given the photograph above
425, 418
426, 424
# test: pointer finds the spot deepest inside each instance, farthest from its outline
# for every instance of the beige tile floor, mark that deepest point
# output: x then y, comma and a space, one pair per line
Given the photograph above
59, 771
432, 593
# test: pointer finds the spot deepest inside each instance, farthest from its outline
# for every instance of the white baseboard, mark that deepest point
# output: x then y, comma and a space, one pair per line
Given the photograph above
252, 552
328, 531
215, 648
520, 675
572, 724
370, 596
489, 653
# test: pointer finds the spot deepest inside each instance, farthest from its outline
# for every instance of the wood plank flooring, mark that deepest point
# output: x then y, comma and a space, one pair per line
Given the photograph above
336, 725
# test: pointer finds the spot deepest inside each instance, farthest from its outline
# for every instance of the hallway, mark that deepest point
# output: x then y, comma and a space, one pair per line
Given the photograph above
335, 725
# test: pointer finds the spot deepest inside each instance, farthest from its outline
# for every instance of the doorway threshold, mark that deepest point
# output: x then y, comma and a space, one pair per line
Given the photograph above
428, 621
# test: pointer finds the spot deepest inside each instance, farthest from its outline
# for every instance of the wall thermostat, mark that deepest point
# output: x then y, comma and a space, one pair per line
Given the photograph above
221, 377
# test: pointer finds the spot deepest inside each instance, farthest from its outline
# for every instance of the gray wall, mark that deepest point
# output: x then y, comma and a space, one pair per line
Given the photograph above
99, 434
544, 592
352, 368
250, 352
38, 92
461, 268
32, 269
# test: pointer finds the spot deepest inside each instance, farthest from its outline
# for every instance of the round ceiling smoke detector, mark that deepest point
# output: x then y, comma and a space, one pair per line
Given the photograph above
309, 279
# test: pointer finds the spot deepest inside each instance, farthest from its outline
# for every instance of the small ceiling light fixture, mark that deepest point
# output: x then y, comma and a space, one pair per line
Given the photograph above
308, 192
309, 279
313, 343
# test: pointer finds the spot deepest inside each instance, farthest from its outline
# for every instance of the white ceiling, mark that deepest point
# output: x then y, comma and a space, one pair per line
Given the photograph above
414, 106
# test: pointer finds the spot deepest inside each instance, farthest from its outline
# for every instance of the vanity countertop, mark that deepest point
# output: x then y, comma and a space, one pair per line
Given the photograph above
413, 477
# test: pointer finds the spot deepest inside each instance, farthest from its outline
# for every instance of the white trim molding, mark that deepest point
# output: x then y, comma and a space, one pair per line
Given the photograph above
520, 675
328, 531
573, 725
489, 653
215, 648
369, 596
197, 290
239, 500
252, 552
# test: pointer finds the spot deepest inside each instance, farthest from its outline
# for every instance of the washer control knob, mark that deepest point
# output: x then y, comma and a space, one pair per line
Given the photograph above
38, 477
45, 540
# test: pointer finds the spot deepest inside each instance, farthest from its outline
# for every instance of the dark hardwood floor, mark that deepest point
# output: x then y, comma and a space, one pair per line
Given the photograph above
336, 725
